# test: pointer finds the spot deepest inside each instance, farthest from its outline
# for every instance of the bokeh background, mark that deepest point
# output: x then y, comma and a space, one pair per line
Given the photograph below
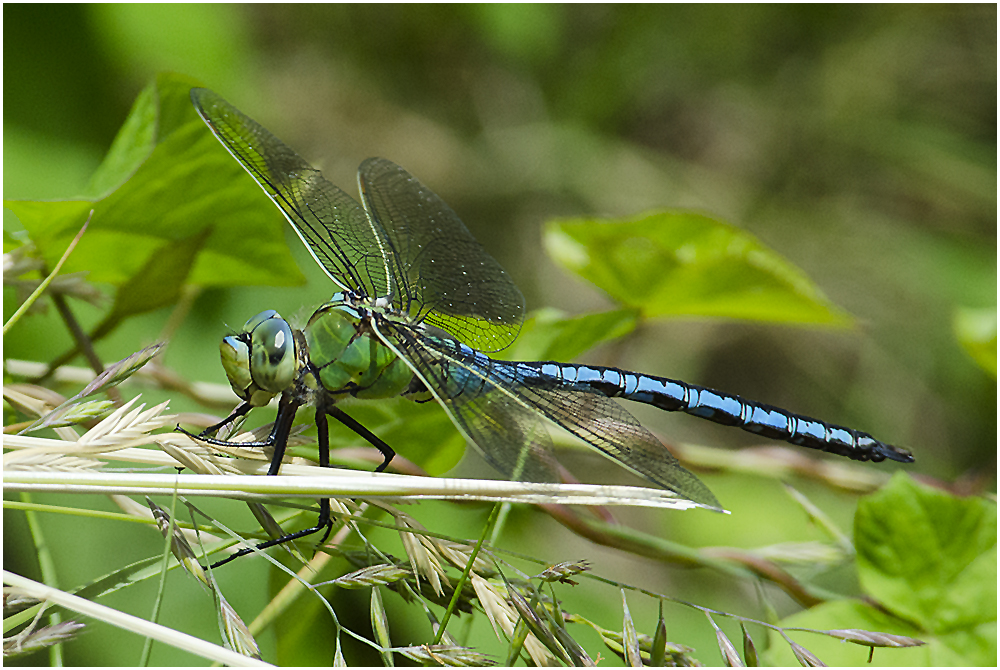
857, 141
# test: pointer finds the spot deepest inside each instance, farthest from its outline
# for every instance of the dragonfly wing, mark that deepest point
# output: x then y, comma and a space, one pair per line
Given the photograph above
508, 433
511, 438
498, 407
444, 276
352, 250
604, 424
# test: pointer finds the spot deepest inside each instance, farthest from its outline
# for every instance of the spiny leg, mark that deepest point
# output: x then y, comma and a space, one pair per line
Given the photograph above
387, 452
203, 436
323, 440
279, 440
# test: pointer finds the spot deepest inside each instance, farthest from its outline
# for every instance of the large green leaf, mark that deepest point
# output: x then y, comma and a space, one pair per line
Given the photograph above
157, 285
671, 263
928, 562
929, 556
164, 180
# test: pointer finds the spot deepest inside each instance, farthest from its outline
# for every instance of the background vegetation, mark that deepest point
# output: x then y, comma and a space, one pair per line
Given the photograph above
858, 142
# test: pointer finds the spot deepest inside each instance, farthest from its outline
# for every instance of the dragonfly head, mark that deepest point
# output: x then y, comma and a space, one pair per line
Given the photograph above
260, 361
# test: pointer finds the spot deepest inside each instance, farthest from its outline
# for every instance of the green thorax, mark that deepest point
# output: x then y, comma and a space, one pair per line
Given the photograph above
348, 359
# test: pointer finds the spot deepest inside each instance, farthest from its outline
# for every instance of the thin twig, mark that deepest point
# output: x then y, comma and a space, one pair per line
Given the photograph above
48, 279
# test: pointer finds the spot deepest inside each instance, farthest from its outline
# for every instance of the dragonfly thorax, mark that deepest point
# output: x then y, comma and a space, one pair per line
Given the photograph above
360, 304
347, 356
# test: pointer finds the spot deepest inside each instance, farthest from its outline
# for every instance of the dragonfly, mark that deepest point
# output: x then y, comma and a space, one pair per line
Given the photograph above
418, 307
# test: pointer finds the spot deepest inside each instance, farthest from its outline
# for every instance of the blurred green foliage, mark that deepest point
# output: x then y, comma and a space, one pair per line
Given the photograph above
859, 142
683, 264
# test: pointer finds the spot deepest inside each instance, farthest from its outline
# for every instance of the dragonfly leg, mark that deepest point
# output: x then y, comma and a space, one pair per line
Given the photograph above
279, 434
203, 435
323, 522
323, 437
279, 440
387, 452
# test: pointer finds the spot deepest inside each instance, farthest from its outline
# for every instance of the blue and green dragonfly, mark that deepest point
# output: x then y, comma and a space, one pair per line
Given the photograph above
418, 301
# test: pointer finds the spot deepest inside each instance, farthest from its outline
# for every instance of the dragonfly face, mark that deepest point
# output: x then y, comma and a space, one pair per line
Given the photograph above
260, 361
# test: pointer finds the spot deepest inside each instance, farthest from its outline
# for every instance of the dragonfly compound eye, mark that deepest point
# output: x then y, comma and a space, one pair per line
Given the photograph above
236, 362
258, 319
272, 354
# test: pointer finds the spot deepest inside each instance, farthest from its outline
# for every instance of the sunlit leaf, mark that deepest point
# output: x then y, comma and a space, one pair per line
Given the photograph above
166, 179
673, 263
924, 557
933, 566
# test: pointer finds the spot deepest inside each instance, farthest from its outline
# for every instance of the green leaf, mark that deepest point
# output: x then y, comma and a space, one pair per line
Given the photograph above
926, 555
132, 145
551, 335
928, 560
13, 241
976, 330
166, 179
156, 285
846, 614
670, 263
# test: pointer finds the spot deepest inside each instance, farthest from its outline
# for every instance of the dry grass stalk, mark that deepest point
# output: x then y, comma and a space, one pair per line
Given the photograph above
804, 656
179, 545
373, 575
749, 650
124, 426
561, 572
874, 639
730, 656
446, 655
33, 639
380, 626
236, 633
538, 629
630, 639
503, 617
458, 554
54, 462
425, 558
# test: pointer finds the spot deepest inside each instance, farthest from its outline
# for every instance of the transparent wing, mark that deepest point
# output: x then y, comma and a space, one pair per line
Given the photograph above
509, 435
444, 275
342, 239
499, 406
606, 425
